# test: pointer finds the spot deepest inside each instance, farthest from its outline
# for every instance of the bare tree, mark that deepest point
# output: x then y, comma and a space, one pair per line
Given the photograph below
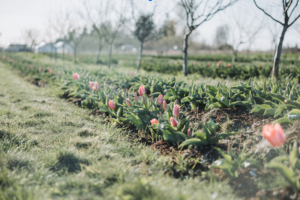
197, 12
50, 37
222, 36
62, 25
288, 7
273, 30
75, 37
31, 37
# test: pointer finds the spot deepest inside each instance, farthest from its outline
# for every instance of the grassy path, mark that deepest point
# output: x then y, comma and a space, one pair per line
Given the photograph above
51, 149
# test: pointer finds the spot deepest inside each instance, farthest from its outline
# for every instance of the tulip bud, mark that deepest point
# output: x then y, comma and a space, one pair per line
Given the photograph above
131, 73
165, 105
91, 84
75, 76
176, 111
127, 102
274, 134
40, 69
135, 97
229, 65
173, 122
50, 71
153, 121
95, 86
47, 68
142, 90
189, 132
58, 73
111, 105
160, 99
124, 95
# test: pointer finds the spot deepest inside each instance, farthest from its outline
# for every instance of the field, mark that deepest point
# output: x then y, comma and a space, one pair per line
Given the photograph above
61, 139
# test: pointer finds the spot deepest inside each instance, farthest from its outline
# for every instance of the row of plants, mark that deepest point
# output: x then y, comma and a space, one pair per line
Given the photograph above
220, 69
159, 106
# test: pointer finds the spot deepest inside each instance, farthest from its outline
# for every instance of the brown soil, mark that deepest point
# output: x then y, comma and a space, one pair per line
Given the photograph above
38, 82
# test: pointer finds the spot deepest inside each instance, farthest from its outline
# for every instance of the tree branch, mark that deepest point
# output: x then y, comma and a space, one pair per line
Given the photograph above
267, 13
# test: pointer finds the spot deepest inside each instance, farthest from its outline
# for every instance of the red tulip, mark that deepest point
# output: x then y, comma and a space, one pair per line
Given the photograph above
50, 71
143, 61
219, 63
58, 73
160, 99
176, 110
3, 57
284, 66
131, 73
229, 65
260, 66
127, 102
95, 86
153, 121
91, 84
189, 132
173, 122
194, 63
40, 69
111, 105
75, 76
135, 97
274, 134
142, 90
47, 68
208, 64
165, 105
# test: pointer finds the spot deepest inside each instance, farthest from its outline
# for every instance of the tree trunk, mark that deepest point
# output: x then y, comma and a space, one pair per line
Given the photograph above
74, 54
185, 54
63, 55
140, 56
234, 56
109, 55
98, 54
278, 52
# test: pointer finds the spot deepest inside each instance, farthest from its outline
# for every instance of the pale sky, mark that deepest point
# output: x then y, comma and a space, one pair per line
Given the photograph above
17, 15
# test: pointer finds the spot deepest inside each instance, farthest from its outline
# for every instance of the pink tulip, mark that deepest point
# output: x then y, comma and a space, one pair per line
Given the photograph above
176, 110
189, 132
284, 66
50, 71
229, 65
75, 76
127, 102
173, 122
58, 73
135, 97
142, 90
91, 84
194, 63
274, 134
3, 57
165, 105
208, 64
95, 86
29, 66
160, 99
153, 121
111, 105
131, 73
47, 68
40, 69
219, 63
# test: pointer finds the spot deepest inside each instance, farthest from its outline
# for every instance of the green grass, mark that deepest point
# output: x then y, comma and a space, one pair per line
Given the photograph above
51, 149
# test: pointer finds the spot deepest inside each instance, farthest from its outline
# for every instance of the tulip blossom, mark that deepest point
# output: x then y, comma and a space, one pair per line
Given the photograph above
219, 63
189, 132
259, 66
91, 84
194, 63
111, 105
127, 102
160, 99
153, 121
135, 97
50, 71
47, 68
142, 90
165, 105
40, 69
29, 66
274, 134
75, 76
131, 73
229, 65
173, 122
95, 86
208, 64
58, 73
176, 110
284, 66
3, 57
